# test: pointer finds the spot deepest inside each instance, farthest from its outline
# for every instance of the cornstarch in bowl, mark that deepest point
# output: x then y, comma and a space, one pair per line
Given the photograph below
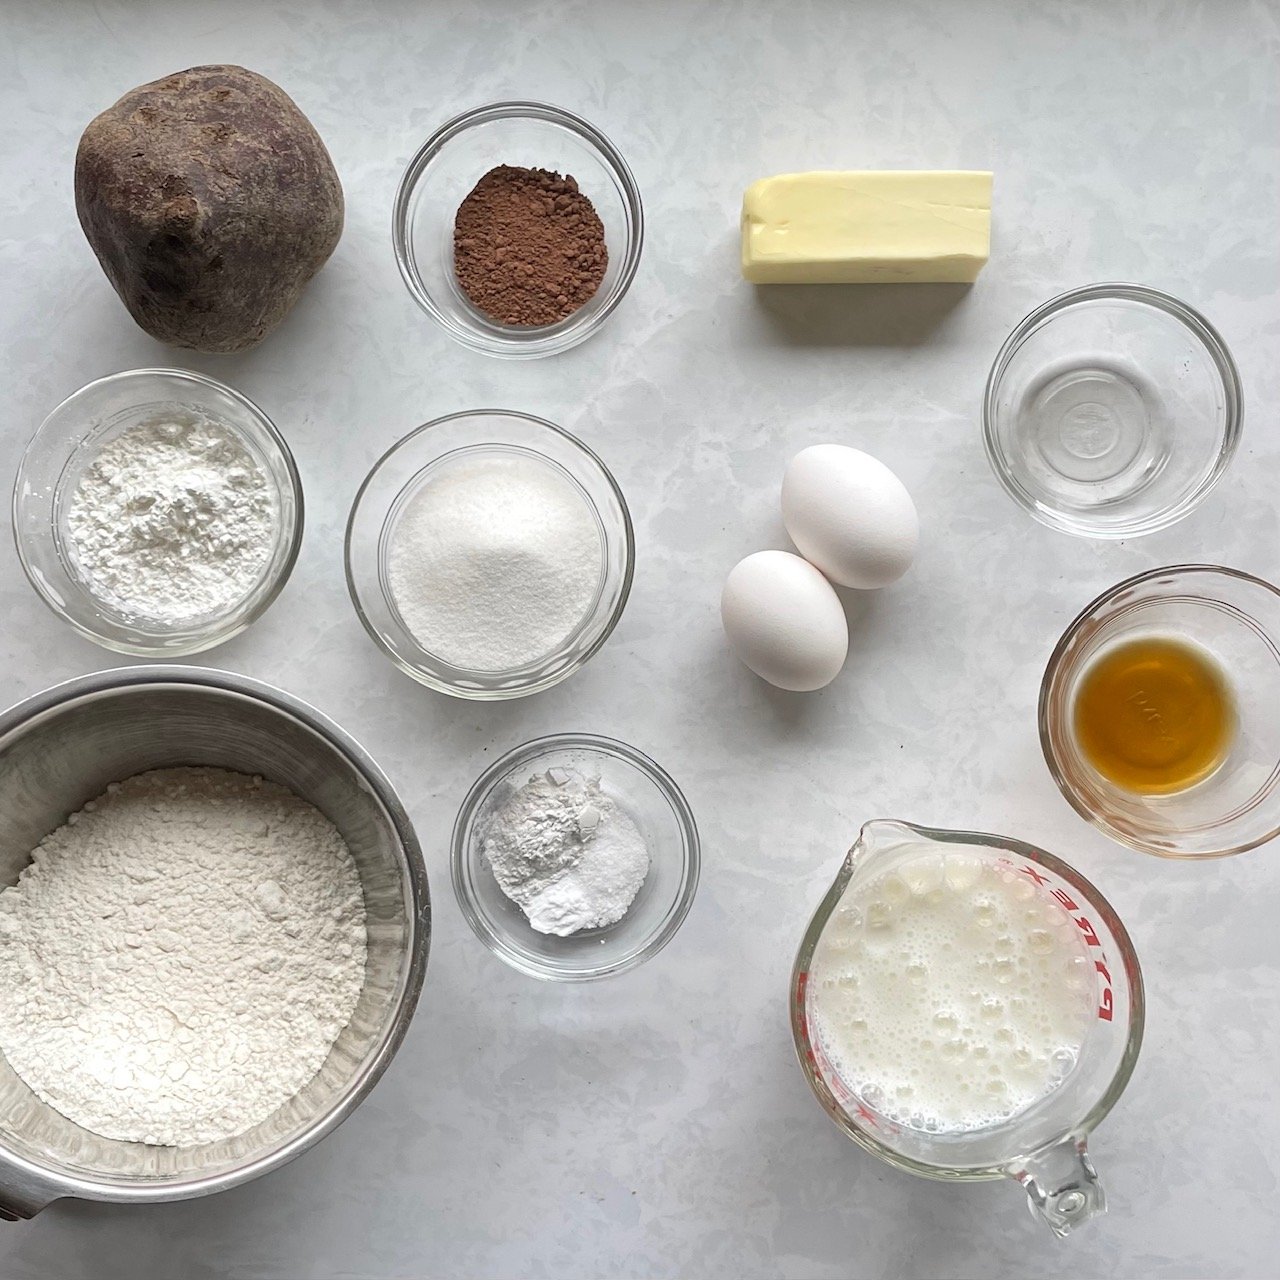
172, 520
157, 511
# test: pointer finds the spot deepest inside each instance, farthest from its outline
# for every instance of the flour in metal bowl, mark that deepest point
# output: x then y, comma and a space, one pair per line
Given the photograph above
179, 957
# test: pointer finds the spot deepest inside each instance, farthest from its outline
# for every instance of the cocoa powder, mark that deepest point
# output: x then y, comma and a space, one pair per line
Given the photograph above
528, 246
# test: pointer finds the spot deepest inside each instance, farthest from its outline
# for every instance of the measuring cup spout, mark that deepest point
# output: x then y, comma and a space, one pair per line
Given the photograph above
1061, 1183
883, 835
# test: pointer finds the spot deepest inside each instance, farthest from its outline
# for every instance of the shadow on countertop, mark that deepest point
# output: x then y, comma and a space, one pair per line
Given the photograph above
857, 315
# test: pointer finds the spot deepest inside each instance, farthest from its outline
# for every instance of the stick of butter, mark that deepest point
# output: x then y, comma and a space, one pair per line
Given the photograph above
867, 227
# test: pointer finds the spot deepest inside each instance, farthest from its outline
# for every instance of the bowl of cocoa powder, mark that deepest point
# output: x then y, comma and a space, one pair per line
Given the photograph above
518, 228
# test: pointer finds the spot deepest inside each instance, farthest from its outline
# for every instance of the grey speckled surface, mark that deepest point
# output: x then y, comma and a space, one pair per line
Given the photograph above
657, 1124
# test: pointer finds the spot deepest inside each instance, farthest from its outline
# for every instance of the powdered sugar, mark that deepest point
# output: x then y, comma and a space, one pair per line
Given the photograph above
494, 562
173, 520
566, 853
179, 957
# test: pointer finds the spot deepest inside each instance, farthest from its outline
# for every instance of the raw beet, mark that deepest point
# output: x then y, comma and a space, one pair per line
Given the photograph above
210, 201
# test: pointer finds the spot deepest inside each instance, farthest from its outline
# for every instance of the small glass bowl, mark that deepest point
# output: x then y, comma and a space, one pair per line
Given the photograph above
653, 802
67, 443
400, 472
1236, 618
450, 163
1111, 411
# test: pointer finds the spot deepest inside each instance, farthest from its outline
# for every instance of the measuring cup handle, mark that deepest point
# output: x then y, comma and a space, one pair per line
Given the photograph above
1061, 1183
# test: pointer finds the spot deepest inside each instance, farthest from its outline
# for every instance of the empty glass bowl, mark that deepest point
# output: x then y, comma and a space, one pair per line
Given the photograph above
1111, 411
67, 443
1236, 618
652, 801
530, 135
427, 454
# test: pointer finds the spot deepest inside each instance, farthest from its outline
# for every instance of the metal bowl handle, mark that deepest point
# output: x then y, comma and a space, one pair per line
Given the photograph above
22, 1196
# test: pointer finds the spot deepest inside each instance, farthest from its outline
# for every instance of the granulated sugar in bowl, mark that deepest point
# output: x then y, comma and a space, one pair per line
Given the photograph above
489, 554
495, 561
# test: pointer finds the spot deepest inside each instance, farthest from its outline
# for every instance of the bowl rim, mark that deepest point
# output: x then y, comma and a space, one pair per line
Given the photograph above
1048, 683
523, 754
521, 691
216, 632
519, 344
27, 1185
1216, 348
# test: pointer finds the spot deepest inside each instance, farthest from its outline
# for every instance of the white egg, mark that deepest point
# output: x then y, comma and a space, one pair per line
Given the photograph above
850, 515
785, 621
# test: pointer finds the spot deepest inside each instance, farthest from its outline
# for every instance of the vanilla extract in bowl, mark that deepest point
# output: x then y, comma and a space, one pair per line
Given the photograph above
1154, 714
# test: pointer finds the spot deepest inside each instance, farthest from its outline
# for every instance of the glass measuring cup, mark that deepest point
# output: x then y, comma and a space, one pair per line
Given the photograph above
1044, 1146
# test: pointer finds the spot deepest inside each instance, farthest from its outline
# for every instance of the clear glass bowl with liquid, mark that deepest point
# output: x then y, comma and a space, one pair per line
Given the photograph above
1112, 411
1234, 618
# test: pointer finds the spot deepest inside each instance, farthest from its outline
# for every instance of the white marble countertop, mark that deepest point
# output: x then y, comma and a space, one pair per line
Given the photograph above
657, 1124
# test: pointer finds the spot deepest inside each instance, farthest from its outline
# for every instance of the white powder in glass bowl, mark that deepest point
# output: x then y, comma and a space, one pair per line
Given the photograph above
495, 562
566, 854
173, 520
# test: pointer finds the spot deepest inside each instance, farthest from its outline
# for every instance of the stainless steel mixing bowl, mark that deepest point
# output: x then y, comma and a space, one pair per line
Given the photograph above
60, 749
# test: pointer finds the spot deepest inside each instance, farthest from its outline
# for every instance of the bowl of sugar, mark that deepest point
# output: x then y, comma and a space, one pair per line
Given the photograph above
489, 554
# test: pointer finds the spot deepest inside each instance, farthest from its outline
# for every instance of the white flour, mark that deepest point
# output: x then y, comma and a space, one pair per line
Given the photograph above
495, 562
173, 520
566, 854
179, 957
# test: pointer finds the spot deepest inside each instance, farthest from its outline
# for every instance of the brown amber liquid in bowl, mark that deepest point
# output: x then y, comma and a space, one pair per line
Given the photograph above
1154, 714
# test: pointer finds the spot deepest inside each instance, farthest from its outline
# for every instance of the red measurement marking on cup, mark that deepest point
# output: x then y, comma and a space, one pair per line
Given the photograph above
1085, 927
869, 1117
1107, 999
818, 1060
802, 986
1106, 1005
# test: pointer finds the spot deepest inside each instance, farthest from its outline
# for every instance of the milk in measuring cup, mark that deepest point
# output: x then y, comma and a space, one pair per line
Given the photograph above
950, 993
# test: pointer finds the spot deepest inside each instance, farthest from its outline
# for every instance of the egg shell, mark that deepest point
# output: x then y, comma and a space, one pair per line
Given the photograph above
785, 621
849, 515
